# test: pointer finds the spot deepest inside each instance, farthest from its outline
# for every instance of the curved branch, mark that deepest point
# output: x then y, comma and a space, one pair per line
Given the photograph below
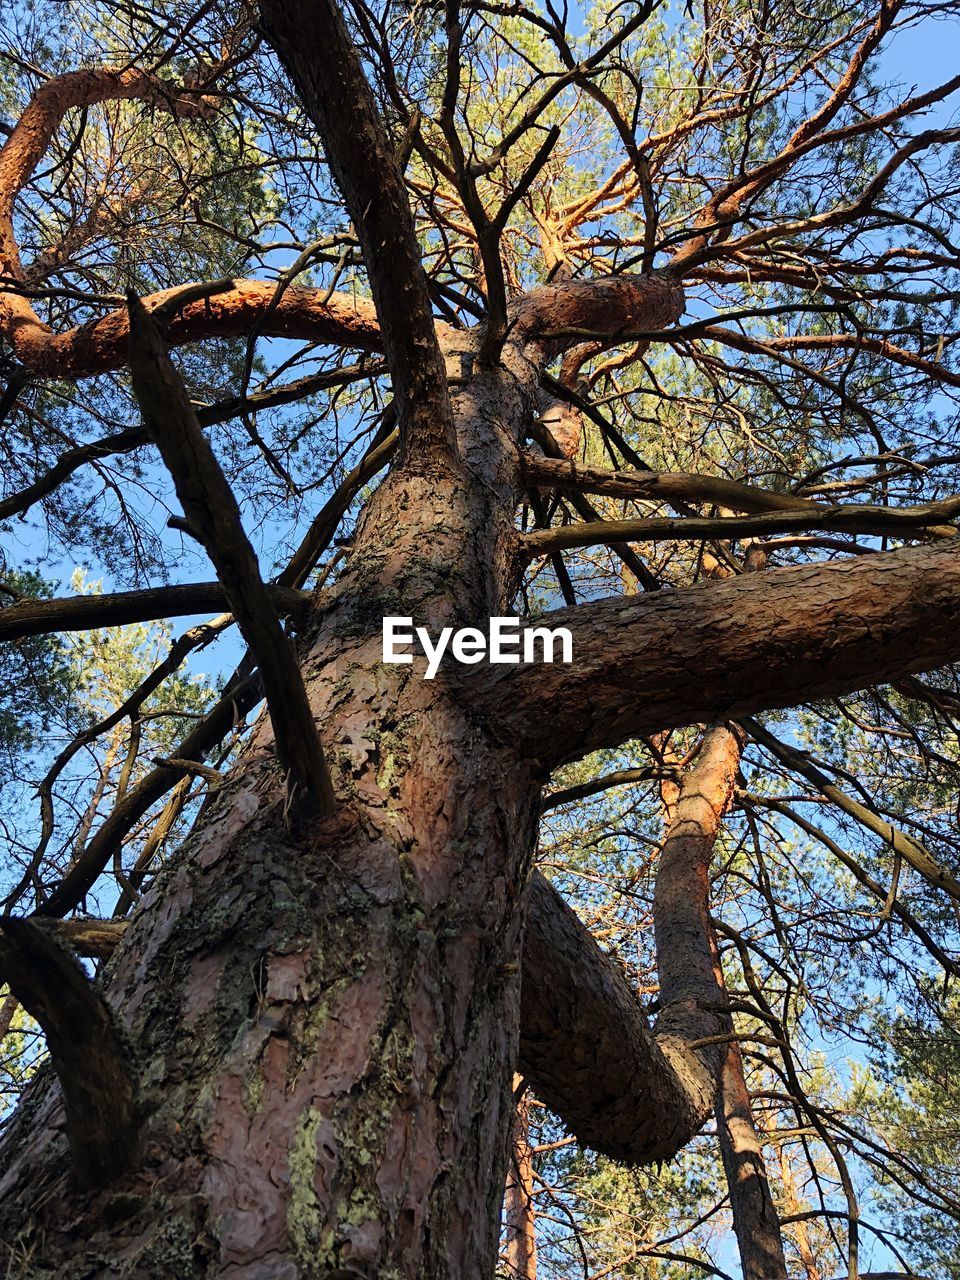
99, 345
588, 1050
340, 319
88, 1051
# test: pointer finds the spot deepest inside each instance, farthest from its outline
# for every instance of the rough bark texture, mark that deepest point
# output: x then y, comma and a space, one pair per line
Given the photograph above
724, 649
324, 1015
588, 1050
755, 1218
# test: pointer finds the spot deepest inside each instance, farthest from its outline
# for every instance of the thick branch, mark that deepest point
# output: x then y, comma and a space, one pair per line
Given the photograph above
101, 344
587, 1049
851, 518
693, 995
608, 308
340, 319
720, 650
85, 613
88, 1053
632, 1093
326, 70
214, 517
755, 1218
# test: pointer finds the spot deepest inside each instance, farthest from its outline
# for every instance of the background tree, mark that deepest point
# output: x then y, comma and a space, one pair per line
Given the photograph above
639, 320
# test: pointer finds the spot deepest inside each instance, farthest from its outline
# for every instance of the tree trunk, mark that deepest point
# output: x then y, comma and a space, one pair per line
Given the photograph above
325, 1023
325, 1015
693, 993
519, 1214
755, 1219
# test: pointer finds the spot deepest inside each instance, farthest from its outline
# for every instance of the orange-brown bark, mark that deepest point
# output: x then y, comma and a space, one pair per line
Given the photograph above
519, 1213
101, 344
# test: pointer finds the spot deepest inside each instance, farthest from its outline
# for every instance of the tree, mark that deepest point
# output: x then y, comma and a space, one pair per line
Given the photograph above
299, 1057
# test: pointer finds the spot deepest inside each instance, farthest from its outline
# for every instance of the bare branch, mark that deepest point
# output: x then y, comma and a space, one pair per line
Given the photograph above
929, 517
88, 1051
86, 613
568, 474
329, 77
214, 516
906, 846
236, 702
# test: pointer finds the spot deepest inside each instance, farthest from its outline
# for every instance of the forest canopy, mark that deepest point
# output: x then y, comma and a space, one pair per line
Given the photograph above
629, 318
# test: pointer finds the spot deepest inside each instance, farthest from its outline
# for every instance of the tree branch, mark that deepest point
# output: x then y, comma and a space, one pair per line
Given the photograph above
609, 308
214, 516
861, 518
101, 344
236, 702
721, 650
910, 849
88, 1052
567, 474
85, 613
587, 1049
326, 70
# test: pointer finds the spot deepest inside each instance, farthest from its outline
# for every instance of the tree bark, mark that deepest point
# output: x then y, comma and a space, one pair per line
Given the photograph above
721, 650
324, 1017
323, 1014
693, 994
756, 1222
519, 1214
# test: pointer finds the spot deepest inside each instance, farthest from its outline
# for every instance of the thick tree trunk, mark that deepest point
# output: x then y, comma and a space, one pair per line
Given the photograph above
324, 1016
325, 1022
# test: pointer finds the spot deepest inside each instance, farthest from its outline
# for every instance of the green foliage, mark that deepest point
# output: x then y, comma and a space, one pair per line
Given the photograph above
916, 1108
36, 679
